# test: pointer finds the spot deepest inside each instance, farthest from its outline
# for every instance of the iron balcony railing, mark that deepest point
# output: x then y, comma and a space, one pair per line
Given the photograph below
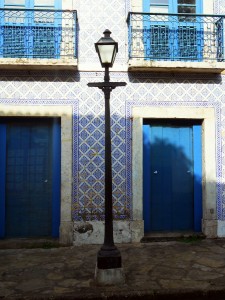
29, 33
176, 37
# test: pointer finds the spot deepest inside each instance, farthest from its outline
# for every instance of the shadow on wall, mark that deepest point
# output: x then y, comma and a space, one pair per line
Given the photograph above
91, 191
178, 177
176, 77
47, 76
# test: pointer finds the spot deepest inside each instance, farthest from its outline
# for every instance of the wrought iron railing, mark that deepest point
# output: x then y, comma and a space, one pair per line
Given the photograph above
50, 34
176, 37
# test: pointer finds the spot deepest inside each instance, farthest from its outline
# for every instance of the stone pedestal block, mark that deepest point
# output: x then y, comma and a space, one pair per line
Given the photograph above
106, 277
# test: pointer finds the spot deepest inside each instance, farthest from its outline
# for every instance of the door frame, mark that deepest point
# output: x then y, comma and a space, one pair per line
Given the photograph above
209, 191
65, 112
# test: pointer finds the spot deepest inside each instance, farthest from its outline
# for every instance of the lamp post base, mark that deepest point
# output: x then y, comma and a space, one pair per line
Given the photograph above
109, 269
109, 258
106, 277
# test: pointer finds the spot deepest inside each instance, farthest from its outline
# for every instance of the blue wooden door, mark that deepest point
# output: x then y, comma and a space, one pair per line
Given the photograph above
172, 178
30, 178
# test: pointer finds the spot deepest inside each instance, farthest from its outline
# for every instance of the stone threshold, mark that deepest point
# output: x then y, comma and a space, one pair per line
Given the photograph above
172, 236
29, 243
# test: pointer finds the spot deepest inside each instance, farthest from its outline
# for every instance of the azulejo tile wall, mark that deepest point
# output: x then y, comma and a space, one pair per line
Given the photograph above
219, 7
156, 89
91, 153
94, 20
48, 88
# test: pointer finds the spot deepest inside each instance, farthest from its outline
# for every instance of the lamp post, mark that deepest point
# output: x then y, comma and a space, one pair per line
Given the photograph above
109, 263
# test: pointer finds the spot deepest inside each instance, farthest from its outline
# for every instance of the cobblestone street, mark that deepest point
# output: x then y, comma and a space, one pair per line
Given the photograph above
152, 270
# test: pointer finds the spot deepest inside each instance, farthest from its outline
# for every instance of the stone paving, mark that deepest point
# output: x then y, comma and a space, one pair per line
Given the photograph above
165, 270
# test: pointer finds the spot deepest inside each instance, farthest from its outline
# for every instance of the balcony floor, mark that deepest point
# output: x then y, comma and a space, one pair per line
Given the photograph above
137, 65
38, 64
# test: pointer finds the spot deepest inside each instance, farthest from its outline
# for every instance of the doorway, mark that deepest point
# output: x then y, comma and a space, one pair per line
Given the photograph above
172, 176
30, 177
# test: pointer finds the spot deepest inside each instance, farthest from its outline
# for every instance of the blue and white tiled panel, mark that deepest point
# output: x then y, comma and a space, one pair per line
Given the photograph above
90, 204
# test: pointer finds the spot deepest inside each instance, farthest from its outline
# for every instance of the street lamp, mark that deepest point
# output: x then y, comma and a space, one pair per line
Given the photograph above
106, 48
109, 263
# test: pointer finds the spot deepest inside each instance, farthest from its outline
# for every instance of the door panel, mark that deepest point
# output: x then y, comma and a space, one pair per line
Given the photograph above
169, 178
28, 180
32, 184
56, 180
2, 178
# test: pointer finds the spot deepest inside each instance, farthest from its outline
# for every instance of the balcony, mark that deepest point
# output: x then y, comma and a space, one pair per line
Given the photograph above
176, 42
38, 39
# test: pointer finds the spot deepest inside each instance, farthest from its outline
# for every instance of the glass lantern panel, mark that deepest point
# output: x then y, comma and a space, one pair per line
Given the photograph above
106, 53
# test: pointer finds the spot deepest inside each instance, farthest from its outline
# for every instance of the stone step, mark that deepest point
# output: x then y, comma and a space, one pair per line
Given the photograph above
173, 236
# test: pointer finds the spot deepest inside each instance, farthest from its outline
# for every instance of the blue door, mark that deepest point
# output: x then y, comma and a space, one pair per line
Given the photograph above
30, 177
172, 178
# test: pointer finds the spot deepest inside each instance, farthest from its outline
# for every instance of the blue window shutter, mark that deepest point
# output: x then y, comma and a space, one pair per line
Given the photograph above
2, 178
14, 33
47, 36
156, 35
58, 4
146, 5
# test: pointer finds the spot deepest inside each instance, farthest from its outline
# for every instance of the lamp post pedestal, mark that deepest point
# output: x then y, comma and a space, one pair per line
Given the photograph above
109, 269
106, 277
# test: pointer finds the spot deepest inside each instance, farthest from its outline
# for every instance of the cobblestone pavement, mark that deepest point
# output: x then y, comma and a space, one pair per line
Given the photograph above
165, 270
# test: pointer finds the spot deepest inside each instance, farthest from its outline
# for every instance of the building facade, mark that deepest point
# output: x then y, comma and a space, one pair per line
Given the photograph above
167, 124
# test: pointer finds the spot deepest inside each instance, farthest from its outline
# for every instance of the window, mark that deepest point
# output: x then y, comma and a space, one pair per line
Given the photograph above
159, 6
187, 6
31, 29
173, 37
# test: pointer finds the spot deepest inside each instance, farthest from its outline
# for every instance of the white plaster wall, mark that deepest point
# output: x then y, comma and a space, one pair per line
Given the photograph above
221, 229
208, 7
92, 232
